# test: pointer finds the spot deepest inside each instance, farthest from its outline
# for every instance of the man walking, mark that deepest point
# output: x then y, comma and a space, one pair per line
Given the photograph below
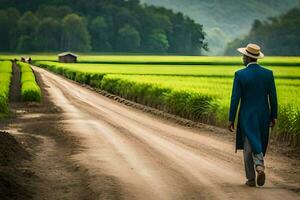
254, 88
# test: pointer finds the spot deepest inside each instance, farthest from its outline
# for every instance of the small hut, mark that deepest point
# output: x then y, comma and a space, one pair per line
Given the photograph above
67, 57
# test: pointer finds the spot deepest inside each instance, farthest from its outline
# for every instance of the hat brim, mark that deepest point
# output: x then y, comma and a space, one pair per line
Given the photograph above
243, 51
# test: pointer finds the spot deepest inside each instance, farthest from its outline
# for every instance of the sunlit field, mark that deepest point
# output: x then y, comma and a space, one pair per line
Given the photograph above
153, 59
5, 79
200, 92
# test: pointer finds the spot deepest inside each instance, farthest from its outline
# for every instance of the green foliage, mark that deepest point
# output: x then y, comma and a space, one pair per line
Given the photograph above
232, 17
114, 26
25, 43
54, 12
128, 38
27, 76
99, 31
5, 79
203, 99
25, 30
158, 41
277, 36
8, 23
48, 31
75, 34
221, 71
197, 92
30, 91
27, 23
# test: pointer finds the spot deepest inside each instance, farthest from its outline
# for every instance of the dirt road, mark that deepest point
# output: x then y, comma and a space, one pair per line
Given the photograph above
132, 155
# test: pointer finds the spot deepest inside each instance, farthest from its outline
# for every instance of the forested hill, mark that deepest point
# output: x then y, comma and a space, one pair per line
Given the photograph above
277, 36
226, 20
96, 25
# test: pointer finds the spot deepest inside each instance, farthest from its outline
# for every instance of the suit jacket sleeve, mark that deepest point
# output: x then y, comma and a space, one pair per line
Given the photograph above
235, 98
273, 99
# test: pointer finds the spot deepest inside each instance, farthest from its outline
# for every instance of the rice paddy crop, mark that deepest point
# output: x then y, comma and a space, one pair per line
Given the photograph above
5, 79
197, 92
183, 60
178, 70
156, 60
30, 91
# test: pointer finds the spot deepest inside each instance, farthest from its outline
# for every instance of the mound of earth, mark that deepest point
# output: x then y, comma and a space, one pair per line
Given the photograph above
11, 151
11, 181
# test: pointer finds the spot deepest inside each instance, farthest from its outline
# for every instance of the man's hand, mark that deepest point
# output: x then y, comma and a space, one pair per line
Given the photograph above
231, 126
272, 123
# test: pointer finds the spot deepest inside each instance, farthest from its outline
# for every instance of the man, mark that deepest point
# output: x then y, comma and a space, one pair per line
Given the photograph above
254, 88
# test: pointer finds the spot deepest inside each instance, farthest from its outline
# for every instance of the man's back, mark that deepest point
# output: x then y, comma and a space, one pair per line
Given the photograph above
256, 83
254, 88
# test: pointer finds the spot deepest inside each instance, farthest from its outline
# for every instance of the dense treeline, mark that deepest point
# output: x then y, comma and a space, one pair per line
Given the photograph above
277, 36
226, 20
97, 25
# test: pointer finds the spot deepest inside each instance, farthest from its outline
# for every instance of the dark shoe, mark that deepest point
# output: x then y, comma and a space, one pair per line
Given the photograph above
250, 183
261, 178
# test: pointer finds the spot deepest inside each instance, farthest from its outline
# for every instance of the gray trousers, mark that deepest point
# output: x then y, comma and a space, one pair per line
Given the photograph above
251, 161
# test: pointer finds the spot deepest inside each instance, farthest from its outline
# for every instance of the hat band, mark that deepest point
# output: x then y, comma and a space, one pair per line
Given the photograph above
253, 54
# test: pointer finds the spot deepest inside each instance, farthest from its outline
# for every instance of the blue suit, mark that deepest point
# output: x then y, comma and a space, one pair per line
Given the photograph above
254, 88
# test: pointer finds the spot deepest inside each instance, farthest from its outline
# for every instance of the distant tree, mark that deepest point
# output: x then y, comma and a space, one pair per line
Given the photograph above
13, 18
158, 41
62, 11
48, 35
106, 25
198, 43
133, 5
152, 20
13, 15
128, 38
26, 29
56, 12
27, 23
180, 37
45, 11
276, 36
122, 17
75, 34
25, 43
4, 31
8, 25
100, 34
256, 24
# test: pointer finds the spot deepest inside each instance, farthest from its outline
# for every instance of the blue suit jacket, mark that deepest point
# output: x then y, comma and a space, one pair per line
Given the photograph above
254, 88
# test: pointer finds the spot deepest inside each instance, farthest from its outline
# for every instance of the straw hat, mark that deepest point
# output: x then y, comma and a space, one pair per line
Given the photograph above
252, 50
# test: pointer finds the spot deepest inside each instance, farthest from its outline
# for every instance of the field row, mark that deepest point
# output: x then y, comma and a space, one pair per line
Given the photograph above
178, 70
205, 99
172, 60
30, 91
5, 79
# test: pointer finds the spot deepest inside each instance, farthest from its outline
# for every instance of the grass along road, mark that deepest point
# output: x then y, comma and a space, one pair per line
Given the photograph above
200, 93
154, 158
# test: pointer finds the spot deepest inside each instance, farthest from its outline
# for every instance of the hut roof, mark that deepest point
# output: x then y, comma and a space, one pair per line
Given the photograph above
67, 53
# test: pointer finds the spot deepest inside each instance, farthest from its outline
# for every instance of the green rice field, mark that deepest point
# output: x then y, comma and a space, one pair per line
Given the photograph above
178, 70
30, 91
5, 79
154, 59
193, 87
200, 92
